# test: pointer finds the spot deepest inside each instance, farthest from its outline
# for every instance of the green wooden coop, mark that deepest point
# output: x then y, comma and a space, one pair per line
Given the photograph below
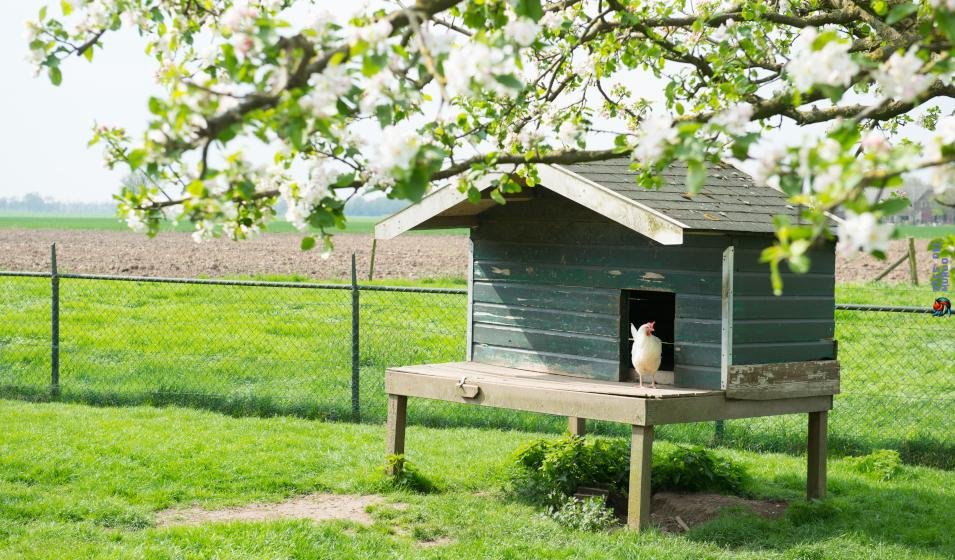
558, 273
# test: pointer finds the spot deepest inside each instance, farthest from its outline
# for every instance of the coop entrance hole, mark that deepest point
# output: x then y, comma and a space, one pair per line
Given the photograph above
642, 306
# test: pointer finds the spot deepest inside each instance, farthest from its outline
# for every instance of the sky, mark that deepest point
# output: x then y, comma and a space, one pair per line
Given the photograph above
46, 128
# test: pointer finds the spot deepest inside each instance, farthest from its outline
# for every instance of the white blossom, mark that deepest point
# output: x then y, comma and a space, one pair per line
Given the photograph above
944, 135
327, 87
239, 17
521, 30
652, 139
899, 76
942, 4
397, 148
874, 142
569, 133
475, 63
205, 229
554, 20
735, 118
863, 232
136, 222
766, 159
583, 63
725, 31
831, 65
372, 34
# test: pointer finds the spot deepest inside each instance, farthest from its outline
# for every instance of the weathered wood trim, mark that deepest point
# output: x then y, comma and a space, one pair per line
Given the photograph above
448, 222
469, 335
816, 456
628, 212
577, 426
396, 423
718, 407
726, 321
614, 206
641, 461
428, 207
502, 394
783, 380
559, 397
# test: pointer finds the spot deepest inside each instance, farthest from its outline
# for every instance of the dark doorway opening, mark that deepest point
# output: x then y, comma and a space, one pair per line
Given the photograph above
642, 306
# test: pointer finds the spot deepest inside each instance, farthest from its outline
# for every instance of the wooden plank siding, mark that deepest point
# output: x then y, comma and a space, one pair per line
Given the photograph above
548, 276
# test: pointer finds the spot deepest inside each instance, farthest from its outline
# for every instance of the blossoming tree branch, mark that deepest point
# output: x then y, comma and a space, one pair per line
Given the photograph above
400, 96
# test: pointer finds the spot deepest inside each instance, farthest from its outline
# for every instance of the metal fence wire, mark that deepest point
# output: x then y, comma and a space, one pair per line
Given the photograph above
320, 351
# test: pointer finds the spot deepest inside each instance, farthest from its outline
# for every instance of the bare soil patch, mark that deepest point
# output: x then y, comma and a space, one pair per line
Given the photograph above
407, 256
863, 268
317, 507
177, 255
697, 508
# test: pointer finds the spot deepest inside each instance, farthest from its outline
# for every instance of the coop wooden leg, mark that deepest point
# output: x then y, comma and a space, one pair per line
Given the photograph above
577, 426
397, 416
641, 453
816, 456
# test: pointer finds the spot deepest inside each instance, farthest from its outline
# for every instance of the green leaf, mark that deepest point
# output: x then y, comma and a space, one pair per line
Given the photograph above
135, 158
892, 205
529, 8
66, 7
900, 12
308, 243
56, 76
946, 20
497, 197
695, 175
509, 80
155, 106
880, 7
372, 64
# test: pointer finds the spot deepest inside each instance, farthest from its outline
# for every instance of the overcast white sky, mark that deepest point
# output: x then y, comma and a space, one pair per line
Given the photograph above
46, 128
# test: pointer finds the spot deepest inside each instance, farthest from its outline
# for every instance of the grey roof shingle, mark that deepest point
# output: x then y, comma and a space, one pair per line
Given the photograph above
729, 201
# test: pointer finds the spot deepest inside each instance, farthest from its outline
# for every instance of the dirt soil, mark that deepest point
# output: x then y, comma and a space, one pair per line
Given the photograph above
408, 256
698, 508
176, 255
317, 507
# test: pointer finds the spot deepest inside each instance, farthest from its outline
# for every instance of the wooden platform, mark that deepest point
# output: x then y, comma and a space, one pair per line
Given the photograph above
615, 401
579, 399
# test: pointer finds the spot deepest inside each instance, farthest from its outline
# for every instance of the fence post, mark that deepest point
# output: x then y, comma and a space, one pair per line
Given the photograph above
371, 267
355, 324
913, 264
54, 324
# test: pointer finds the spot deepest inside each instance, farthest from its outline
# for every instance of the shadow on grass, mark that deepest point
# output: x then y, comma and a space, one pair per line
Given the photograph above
858, 514
791, 439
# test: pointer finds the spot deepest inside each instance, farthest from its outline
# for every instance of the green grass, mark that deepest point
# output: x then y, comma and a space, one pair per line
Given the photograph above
925, 232
267, 351
78, 482
356, 224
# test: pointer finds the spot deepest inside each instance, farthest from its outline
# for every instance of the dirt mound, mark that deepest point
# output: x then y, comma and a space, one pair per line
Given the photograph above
317, 507
669, 509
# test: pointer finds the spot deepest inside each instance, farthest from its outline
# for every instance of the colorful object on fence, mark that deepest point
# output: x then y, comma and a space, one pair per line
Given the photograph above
942, 307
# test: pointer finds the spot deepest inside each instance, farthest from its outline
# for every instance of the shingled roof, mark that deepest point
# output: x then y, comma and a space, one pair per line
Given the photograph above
729, 201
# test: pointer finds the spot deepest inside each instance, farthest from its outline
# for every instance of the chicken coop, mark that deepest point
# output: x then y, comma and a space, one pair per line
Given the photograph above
559, 272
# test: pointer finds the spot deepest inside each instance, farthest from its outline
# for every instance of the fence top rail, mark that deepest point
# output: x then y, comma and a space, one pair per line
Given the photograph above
226, 282
363, 287
15, 273
883, 308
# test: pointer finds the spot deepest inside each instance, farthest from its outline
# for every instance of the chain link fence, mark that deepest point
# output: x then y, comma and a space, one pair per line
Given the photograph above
320, 351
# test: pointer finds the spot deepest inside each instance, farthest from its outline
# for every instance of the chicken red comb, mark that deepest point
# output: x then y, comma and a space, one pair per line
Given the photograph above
652, 324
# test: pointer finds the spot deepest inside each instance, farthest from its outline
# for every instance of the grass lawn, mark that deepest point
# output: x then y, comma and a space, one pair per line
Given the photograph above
356, 224
266, 351
926, 232
84, 482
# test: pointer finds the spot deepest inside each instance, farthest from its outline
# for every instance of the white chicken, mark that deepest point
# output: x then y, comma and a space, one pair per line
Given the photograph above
647, 352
